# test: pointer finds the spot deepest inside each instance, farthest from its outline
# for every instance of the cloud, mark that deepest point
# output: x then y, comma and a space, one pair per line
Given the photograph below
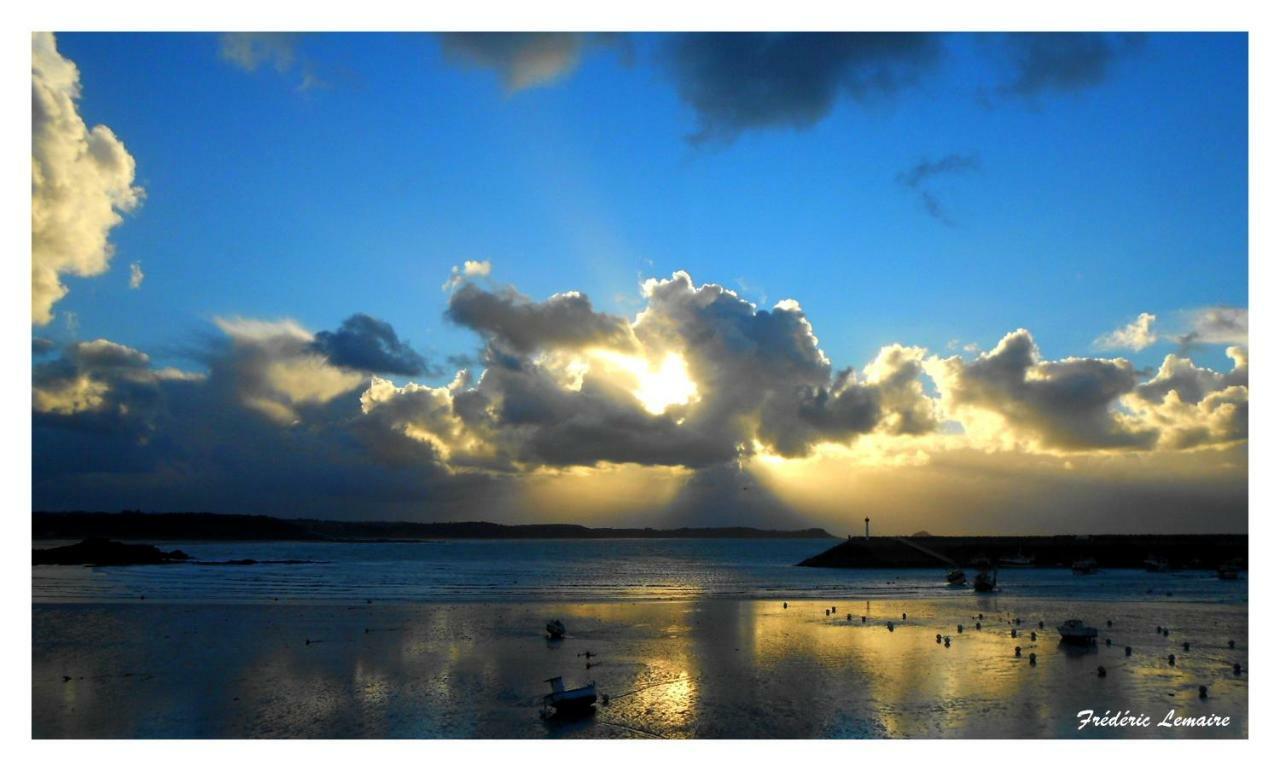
523, 59
277, 370
698, 394
136, 275
740, 81
82, 181
917, 177
1134, 336
1063, 62
700, 378
111, 430
517, 324
371, 345
251, 50
1216, 325
470, 269
1193, 406
99, 386
1054, 405
280, 52
1011, 397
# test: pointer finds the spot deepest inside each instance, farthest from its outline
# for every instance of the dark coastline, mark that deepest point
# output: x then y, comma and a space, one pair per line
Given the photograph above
1109, 551
132, 525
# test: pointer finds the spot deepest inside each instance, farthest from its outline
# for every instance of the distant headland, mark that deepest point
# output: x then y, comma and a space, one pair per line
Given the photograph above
188, 526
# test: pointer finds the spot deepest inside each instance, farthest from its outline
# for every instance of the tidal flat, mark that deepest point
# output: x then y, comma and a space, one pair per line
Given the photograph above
713, 668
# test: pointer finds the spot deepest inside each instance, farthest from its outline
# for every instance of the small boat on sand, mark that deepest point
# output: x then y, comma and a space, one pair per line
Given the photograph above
956, 578
555, 630
1076, 632
565, 701
1084, 567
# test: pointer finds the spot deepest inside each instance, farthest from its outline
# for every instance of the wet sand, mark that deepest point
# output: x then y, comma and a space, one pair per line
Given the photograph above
701, 669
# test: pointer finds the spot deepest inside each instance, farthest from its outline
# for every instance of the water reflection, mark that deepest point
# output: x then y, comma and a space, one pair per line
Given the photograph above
709, 668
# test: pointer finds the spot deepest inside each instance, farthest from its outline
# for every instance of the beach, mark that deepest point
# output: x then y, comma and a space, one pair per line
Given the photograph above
691, 668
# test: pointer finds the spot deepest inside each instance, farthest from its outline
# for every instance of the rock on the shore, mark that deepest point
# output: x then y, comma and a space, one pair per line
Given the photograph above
100, 551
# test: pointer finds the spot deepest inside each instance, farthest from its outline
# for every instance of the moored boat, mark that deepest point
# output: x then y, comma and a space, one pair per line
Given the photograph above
1018, 560
985, 581
564, 700
1229, 571
956, 577
1077, 632
1155, 565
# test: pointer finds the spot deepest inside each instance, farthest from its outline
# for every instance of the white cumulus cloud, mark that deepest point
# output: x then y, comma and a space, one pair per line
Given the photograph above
82, 181
1134, 336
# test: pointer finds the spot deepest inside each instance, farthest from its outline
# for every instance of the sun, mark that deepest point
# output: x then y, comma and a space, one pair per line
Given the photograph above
656, 387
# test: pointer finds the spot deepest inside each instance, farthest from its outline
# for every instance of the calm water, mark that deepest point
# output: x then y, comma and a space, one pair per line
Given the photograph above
568, 570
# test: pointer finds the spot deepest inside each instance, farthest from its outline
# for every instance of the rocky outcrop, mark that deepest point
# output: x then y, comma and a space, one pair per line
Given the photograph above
100, 551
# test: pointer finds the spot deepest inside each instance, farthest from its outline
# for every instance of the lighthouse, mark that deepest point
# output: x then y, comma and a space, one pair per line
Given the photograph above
867, 521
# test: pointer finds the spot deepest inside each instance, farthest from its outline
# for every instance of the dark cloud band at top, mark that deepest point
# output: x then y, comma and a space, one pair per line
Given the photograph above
736, 81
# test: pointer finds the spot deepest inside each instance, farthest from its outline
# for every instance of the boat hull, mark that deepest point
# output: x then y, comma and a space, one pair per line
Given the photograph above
575, 700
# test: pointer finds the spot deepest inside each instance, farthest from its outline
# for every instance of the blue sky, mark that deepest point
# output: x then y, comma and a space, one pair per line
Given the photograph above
266, 200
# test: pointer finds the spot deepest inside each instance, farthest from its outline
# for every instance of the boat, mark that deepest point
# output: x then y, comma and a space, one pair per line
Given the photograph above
555, 630
1155, 565
565, 701
1084, 567
1018, 560
1229, 572
1077, 632
985, 581
956, 577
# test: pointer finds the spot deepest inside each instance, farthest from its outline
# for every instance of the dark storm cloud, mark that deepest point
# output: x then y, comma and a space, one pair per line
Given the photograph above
41, 346
1063, 62
370, 345
520, 325
739, 81
918, 176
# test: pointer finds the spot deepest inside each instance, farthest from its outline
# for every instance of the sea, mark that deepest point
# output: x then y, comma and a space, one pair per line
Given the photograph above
566, 571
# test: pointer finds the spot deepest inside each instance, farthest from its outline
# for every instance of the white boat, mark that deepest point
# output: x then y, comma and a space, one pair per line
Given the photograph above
1018, 560
1076, 631
555, 629
564, 700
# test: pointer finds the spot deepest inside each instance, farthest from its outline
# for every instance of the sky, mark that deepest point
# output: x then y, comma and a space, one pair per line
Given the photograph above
968, 283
